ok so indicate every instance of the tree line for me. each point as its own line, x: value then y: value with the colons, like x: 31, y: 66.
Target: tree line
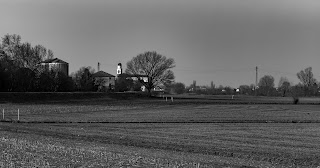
x: 308, y: 86
x: 20, y: 70
x: 150, y: 64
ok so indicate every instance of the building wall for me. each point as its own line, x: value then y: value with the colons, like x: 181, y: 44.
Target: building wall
x: 107, y: 80
x: 145, y: 79
x: 62, y: 67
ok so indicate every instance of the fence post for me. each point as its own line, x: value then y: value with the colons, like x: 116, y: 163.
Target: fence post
x: 3, y: 114
x: 18, y: 115
x: 171, y: 98
x: 166, y: 98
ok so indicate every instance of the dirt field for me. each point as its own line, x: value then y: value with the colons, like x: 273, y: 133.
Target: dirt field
x: 198, y: 132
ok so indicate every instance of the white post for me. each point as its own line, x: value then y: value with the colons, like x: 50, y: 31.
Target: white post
x: 166, y: 98
x: 171, y: 98
x: 18, y: 115
x: 3, y: 114
x: 232, y: 96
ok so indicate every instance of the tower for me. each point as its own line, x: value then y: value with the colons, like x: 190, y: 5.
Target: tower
x: 119, y: 69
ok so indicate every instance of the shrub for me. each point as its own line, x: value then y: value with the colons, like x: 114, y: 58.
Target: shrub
x: 295, y: 100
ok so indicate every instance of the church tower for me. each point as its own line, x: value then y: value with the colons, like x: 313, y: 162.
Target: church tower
x: 119, y: 69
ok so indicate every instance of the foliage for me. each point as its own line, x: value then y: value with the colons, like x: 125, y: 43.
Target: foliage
x: 99, y: 84
x: 306, y: 77
x: 284, y: 86
x: 246, y: 90
x: 179, y: 88
x: 45, y: 82
x: 176, y: 88
x: 54, y: 81
x: 295, y: 100
x: 308, y: 81
x: 123, y: 84
x: 19, y: 70
x: 62, y: 82
x: 23, y: 80
x: 24, y: 55
x: 266, y: 85
x: 83, y: 79
x: 155, y: 66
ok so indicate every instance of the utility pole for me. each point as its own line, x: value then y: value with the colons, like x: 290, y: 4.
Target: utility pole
x: 256, y: 80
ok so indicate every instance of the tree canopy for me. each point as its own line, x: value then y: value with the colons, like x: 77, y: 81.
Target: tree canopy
x: 266, y: 84
x: 153, y: 65
x: 306, y: 77
x: 308, y: 81
x: 19, y: 70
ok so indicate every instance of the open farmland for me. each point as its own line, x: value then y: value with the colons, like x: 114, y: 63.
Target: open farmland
x: 197, y: 132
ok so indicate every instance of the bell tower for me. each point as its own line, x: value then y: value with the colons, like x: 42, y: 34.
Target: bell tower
x: 119, y: 69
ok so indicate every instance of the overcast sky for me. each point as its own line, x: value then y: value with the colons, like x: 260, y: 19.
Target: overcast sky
x: 210, y: 40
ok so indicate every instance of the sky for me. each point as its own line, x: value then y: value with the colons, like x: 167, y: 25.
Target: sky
x: 210, y: 40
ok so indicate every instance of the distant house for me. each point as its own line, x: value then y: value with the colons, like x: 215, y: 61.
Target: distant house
x: 135, y: 78
x: 55, y: 64
x: 104, y: 80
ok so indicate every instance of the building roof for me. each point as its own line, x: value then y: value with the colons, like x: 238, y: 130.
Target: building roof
x: 131, y: 75
x: 102, y: 74
x: 54, y: 60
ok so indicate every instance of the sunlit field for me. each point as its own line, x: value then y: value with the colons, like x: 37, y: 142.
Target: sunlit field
x: 188, y: 132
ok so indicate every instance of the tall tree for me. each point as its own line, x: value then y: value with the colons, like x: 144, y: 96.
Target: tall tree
x: 50, y: 54
x: 24, y: 80
x: 179, y: 88
x: 245, y: 89
x: 212, y: 86
x: 155, y: 66
x: 284, y: 86
x: 16, y: 57
x: 306, y: 77
x: 40, y: 51
x: 10, y: 45
x: 83, y: 79
x: 308, y: 81
x: 266, y: 85
x: 23, y: 55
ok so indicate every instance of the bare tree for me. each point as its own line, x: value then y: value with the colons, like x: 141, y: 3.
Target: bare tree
x: 307, y: 80
x: 284, y: 85
x: 266, y: 84
x: 40, y: 51
x: 179, y: 88
x: 153, y: 65
x: 50, y: 54
x: 10, y: 45
x: 83, y: 79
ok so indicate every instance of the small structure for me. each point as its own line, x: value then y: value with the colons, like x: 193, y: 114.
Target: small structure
x: 135, y: 78
x: 104, y: 81
x: 119, y: 69
x: 55, y: 64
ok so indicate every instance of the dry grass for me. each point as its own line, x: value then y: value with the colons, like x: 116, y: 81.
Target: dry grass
x: 19, y: 150
x: 185, y: 133
x: 252, y: 144
x: 159, y: 111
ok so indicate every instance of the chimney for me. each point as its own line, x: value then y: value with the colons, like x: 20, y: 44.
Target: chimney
x: 98, y: 66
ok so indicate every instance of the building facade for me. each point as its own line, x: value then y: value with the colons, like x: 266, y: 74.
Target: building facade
x: 104, y: 81
x: 135, y: 78
x: 55, y: 64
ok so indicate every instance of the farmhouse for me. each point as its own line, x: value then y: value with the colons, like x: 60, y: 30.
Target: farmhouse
x: 135, y: 78
x: 55, y: 64
x: 104, y: 80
